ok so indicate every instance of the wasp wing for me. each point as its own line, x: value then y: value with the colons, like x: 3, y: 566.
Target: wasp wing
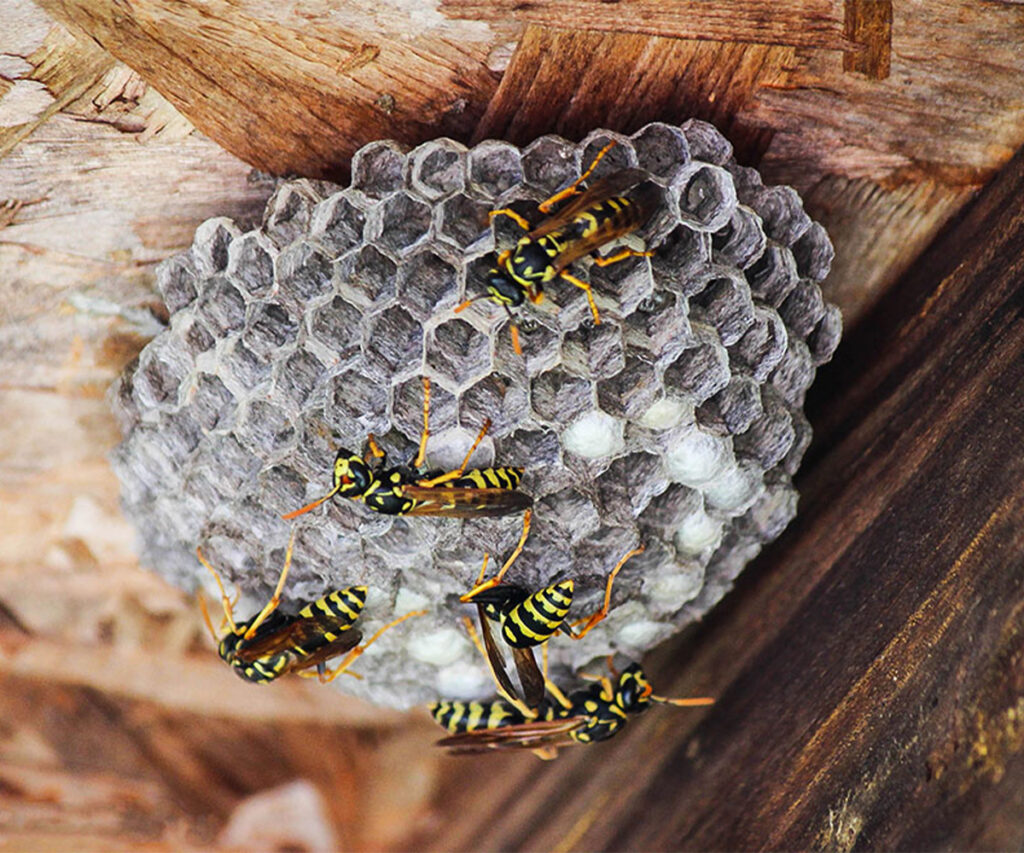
x: 458, y: 502
x: 494, y: 656
x: 529, y: 676
x: 343, y: 643
x: 598, y: 191
x: 294, y: 633
x: 536, y: 734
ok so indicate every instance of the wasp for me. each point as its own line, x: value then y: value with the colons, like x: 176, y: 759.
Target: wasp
x: 595, y: 713
x: 528, y: 619
x: 412, y: 490
x: 272, y: 643
x: 598, y: 215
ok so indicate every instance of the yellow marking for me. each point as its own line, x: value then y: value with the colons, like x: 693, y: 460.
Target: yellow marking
x: 476, y: 711
x: 525, y: 631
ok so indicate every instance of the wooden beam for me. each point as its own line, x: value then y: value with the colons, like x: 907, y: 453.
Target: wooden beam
x: 868, y: 23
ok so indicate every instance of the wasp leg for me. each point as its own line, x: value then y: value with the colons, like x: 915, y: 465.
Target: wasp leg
x: 573, y: 188
x: 553, y: 688
x: 225, y: 601
x: 621, y: 255
x: 275, y: 599
x: 590, y: 294
x: 597, y: 617
x: 206, y: 616
x: 458, y: 472
x: 372, y: 448
x: 515, y: 217
x: 349, y: 659
x: 493, y: 582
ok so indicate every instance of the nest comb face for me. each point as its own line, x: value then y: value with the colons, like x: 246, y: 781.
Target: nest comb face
x: 677, y: 422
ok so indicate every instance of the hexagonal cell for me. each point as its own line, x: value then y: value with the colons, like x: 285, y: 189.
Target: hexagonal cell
x: 623, y: 285
x: 698, y: 534
x: 211, y: 243
x: 197, y: 338
x: 593, y: 351
x: 741, y: 240
x: 700, y: 371
x: 464, y: 221
x: 241, y: 369
x: 825, y: 338
x: 279, y: 489
x: 227, y: 463
x: 550, y: 162
x: 795, y: 372
x: 404, y: 222
x: 747, y: 180
x: 355, y: 398
x: 539, y: 340
x: 299, y: 375
x: 782, y: 212
x: 763, y: 345
x: 707, y: 197
x: 251, y: 265
x: 628, y: 485
x: 438, y: 168
x: 494, y: 168
x: 367, y: 278
x: 661, y: 149
x: 565, y: 518
x: 119, y: 396
x: 212, y: 402
x: 377, y: 168
x: 338, y: 326
x: 631, y: 391
x: 814, y: 253
x: 407, y: 408
x: 725, y: 304
x: 677, y: 258
x: 497, y: 398
x: 177, y: 281
x: 558, y: 397
x: 706, y: 143
x: 270, y: 328
x: 801, y: 441
x: 303, y: 273
x: 733, y: 409
x: 667, y: 510
x: 803, y: 309
x: 660, y: 326
x: 621, y: 156
x: 458, y: 352
x: 591, y: 440
x: 772, y: 511
x: 427, y: 283
x: 179, y: 435
x: 393, y: 342
x: 338, y: 223
x: 506, y: 230
x: 163, y: 366
x: 771, y: 435
x: 773, y: 275
x: 289, y: 211
x: 694, y: 457
x: 734, y: 490
x: 221, y: 308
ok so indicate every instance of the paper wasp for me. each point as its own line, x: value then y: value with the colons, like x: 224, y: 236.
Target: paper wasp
x: 272, y: 643
x: 598, y: 215
x: 528, y: 619
x: 595, y: 713
x: 411, y: 490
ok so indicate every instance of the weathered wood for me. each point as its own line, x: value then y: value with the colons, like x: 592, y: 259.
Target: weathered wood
x: 869, y: 23
x: 869, y: 675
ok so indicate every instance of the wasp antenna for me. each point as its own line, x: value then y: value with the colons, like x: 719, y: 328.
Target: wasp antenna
x: 303, y: 510
x: 464, y: 305
x: 684, y: 703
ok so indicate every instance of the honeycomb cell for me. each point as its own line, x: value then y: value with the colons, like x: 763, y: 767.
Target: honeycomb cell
x: 407, y: 408
x: 773, y: 275
x: 707, y: 197
x: 497, y: 398
x: 628, y: 485
x: 427, y: 284
x: 367, y: 278
x: 725, y: 304
x: 565, y: 518
x: 801, y: 441
x: 494, y: 168
x: 621, y: 156
x: 539, y: 341
x: 795, y: 372
x: 662, y: 150
x: 359, y: 400
x: 695, y: 457
x: 280, y: 489
x: 748, y: 181
x: 404, y: 222
x: 530, y: 448
x: 772, y: 511
x: 593, y: 352
x: 394, y: 342
x: 211, y: 244
x: 803, y: 309
x: 270, y: 328
x: 763, y: 345
x: 558, y: 396
x: 299, y: 375
x: 782, y: 212
x: 825, y: 337
x: 179, y: 435
x: 621, y: 286
x: 666, y: 511
x: 438, y: 169
x: 337, y: 325
x: 506, y: 230
x: 213, y: 404
x: 734, y: 408
x: 549, y: 163
x: 289, y: 212
x: 594, y: 435
x: 226, y: 463
x: 251, y: 265
x: 706, y: 143
x: 464, y: 221
x: 741, y: 240
x: 338, y: 223
x: 771, y: 435
x: 242, y: 369
x: 660, y: 326
x: 813, y: 253
x: 177, y: 281
x: 698, y: 534
x: 377, y: 168
x: 303, y: 272
x: 162, y: 370
x: 679, y: 257
x: 458, y: 352
x: 734, y: 491
x: 700, y: 371
x: 221, y: 308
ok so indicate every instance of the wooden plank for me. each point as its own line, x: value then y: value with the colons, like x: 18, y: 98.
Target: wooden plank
x: 869, y: 24
x: 869, y: 675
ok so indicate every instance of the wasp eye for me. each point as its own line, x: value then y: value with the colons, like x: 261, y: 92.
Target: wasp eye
x: 503, y: 289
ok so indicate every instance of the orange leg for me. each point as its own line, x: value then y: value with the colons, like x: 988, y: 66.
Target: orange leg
x: 275, y: 599
x: 493, y: 582
x: 597, y: 617
x: 573, y: 188
x: 418, y: 461
x: 372, y: 448
x: 458, y: 472
x: 620, y: 255
x: 590, y: 294
x: 515, y: 217
x: 224, y: 600
x: 350, y: 658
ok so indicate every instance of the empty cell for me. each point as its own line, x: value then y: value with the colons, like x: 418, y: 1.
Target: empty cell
x: 212, y: 403
x: 407, y: 408
x: 628, y: 486
x: 782, y: 213
x: 377, y: 168
x: 825, y: 337
x: 338, y: 223
x: 747, y: 181
x: 700, y: 371
x: 741, y: 240
x: 404, y: 221
x: 707, y: 197
x: 594, y: 435
x: 494, y: 168
x: 734, y: 408
x: 762, y: 346
x: 565, y: 518
x: 464, y: 220
x: 814, y: 253
x: 265, y: 428
x: 289, y: 212
x: 304, y: 273
x: 632, y: 390
x: 506, y: 230
x: 177, y: 281
x: 773, y: 275
x: 694, y: 457
x: 211, y: 243
x: 621, y: 156
x: 550, y: 162
x: 251, y: 265
x: 558, y: 396
x: 666, y: 511
x: 495, y: 397
x: 661, y: 149
x: 227, y: 463
x: 270, y: 328
x: 530, y: 448
x: 803, y: 308
x: 593, y: 351
x: 427, y: 283
x: 367, y: 278
x: 801, y: 441
x: 771, y: 435
x: 660, y: 326
x: 163, y: 366
x: 623, y: 285
x: 438, y: 169
x: 772, y: 512
x: 725, y: 304
x: 125, y: 408
x: 338, y: 325
x: 539, y: 341
x: 179, y: 435
x: 678, y: 256
x: 279, y: 489
x: 221, y: 308
x: 299, y: 375
x: 795, y: 372
x: 394, y: 342
x: 357, y: 403
x: 242, y: 369
x: 458, y: 352
x: 706, y: 143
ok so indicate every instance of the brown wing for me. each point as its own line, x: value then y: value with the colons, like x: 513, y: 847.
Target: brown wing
x: 344, y: 643
x: 458, y: 502
x: 494, y: 656
x: 533, y: 735
x: 304, y: 633
x: 529, y: 676
x: 599, y: 190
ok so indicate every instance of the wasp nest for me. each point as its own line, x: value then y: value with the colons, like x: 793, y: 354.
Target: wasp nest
x: 677, y: 422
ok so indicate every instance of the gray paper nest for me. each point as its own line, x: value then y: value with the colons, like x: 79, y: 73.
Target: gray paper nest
x: 677, y: 422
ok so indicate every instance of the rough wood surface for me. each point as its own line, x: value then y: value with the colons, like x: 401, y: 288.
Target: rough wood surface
x: 870, y: 676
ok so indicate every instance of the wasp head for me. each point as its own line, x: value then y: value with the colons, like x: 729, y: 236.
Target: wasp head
x: 503, y: 289
x: 352, y: 475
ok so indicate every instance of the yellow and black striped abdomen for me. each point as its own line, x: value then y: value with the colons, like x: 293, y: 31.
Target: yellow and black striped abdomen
x: 471, y: 716
x: 488, y: 478
x: 537, y: 618
x: 616, y: 215
x: 340, y: 608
